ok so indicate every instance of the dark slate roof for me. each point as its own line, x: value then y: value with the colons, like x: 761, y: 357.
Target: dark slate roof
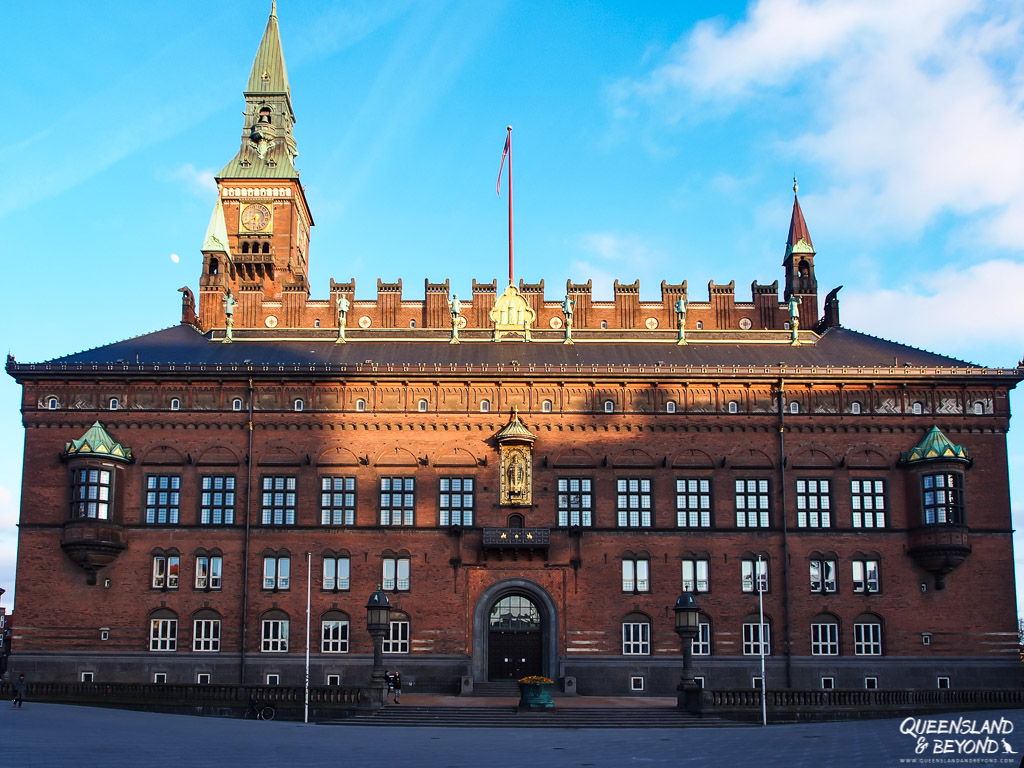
x: 182, y: 344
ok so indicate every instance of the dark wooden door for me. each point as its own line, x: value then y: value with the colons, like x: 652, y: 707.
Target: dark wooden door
x: 513, y: 655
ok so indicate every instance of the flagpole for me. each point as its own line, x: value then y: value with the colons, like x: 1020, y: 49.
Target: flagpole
x: 510, y: 205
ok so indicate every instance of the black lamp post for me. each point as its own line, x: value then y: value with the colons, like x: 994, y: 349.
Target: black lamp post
x: 378, y: 619
x: 687, y: 627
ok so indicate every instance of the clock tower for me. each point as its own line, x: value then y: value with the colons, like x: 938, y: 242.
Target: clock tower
x: 257, y: 244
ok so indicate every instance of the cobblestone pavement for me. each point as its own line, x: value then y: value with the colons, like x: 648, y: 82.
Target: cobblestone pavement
x: 83, y: 737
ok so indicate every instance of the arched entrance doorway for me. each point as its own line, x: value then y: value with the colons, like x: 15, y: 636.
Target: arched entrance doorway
x: 514, y: 643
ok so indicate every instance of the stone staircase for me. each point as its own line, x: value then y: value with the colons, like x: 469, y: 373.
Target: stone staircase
x: 508, y: 689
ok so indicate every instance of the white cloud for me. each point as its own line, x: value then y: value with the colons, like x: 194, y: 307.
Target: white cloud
x: 200, y: 181
x: 913, y: 109
x: 175, y: 258
x: 610, y: 256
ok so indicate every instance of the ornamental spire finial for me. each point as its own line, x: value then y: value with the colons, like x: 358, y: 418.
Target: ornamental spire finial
x: 795, y: 187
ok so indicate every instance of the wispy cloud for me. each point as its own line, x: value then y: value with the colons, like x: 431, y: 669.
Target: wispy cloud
x: 200, y: 182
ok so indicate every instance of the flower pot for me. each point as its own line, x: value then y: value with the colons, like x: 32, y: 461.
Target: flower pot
x: 535, y: 695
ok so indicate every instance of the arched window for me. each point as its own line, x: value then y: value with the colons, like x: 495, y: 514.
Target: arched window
x: 824, y: 635
x: 175, y: 404
x: 917, y: 409
x: 734, y: 407
x: 700, y: 325
x: 114, y: 404
x: 236, y: 404
x: 794, y: 407
x: 360, y: 405
x: 867, y: 635
x: 670, y: 406
x: 421, y: 406
x: 979, y: 409
x: 756, y: 636
x: 274, y: 632
x: 604, y: 324
x: 316, y: 323
x: 53, y: 404
x: 515, y: 521
x: 609, y: 406
x: 485, y: 406
x: 206, y: 631
x: 397, y: 638
x: 163, y: 630
x: 412, y: 323
x: 636, y: 635
x: 334, y: 626
x: 546, y: 406
x: 855, y: 408
x: 245, y: 247
x: 214, y: 266
x: 299, y: 404
x: 702, y: 642
x: 266, y: 247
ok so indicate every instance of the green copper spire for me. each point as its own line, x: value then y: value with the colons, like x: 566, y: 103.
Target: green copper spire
x: 934, y: 445
x: 268, y: 148
x: 217, y: 232
x: 97, y: 440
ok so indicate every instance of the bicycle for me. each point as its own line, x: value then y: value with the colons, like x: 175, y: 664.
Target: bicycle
x: 259, y: 711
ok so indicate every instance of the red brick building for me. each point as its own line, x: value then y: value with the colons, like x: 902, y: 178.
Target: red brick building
x: 533, y: 479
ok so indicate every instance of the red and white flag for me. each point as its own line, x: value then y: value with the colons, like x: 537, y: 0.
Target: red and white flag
x: 504, y: 154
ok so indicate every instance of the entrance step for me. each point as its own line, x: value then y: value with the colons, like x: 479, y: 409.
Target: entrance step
x: 503, y: 688
x: 511, y: 717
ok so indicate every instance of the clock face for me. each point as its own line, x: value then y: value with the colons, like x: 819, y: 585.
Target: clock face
x: 255, y: 217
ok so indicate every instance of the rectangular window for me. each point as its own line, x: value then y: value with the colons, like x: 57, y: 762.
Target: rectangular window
x: 633, y: 502
x: 942, y: 683
x: 575, y: 501
x: 397, y: 638
x: 397, y: 500
x: 334, y: 679
x: 867, y: 639
x: 276, y: 572
x: 338, y: 500
x: 823, y: 576
x: 88, y: 677
x: 695, y: 576
x: 702, y: 642
x: 455, y: 500
x: 943, y: 498
x: 203, y: 678
x: 206, y: 635
x: 336, y: 573
x: 165, y: 571
x: 755, y: 575
x: 636, y: 639
x: 275, y: 636
x: 217, y: 500
x: 871, y: 683
x: 753, y: 503
x: 163, y: 494
x: 825, y: 639
x: 208, y: 571
x: 279, y: 500
x: 92, y: 494
x: 334, y: 636
x: 756, y: 636
x: 273, y: 679
x: 828, y: 683
x: 636, y: 575
x: 163, y: 634
x: 396, y: 574
x: 865, y: 576
x: 867, y: 499
x: 813, y: 504
x: 159, y: 678
x: 693, y: 502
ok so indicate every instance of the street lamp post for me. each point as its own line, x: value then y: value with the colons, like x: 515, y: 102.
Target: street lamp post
x: 687, y: 627
x: 378, y: 619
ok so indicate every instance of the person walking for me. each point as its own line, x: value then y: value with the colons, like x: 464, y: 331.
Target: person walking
x: 19, y: 692
x: 397, y: 682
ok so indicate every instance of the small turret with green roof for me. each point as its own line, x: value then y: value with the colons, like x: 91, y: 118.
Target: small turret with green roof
x: 933, y: 446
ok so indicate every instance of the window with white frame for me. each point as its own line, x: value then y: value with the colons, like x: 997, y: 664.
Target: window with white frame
x: 277, y: 572
x: 53, y: 403
x: 165, y: 571
x: 794, y: 407
x: 636, y: 637
x: 397, y: 500
x: 163, y: 634
x: 203, y: 678
x: 670, y: 406
x: 208, y: 571
x: 813, y: 503
x: 163, y: 495
x: 396, y: 573
x: 334, y: 679
x: 609, y: 406
x: 753, y: 503
x: 734, y: 407
x: 175, y: 404
x: 546, y: 406
x: 87, y: 677
x: 217, y: 500
x: 274, y: 635
x: 828, y: 683
x: 360, y: 405
x: 823, y: 575
x: 942, y: 683
x: 943, y: 498
x: 91, y: 493
x: 755, y: 575
x: 336, y: 572
x: 917, y: 409
x: 485, y: 406
x: 279, y: 500
x: 702, y: 642
x: 755, y: 637
x: 865, y: 576
x: 867, y: 500
x: 825, y: 637
x: 575, y: 501
x: 871, y: 683
x: 337, y: 500
x: 421, y: 406
x: 397, y: 638
x: 159, y: 678
x: 206, y: 635
x: 633, y: 502
x: 979, y: 409
x: 455, y: 500
x: 867, y: 639
x: 299, y: 404
x: 855, y: 408
x: 273, y: 678
x: 236, y: 404
x: 693, y: 502
x: 334, y: 633
x: 114, y: 404
x: 636, y: 574
x: 695, y: 575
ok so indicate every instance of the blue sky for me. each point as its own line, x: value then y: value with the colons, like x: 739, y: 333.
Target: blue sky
x: 651, y: 140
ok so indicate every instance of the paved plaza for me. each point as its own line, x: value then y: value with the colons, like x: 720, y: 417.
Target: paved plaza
x: 83, y: 737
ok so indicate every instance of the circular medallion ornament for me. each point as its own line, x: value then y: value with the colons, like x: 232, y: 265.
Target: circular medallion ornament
x: 651, y: 323
x: 364, y: 322
x: 556, y: 322
x: 255, y: 217
x: 271, y: 321
x: 462, y: 322
x: 745, y: 324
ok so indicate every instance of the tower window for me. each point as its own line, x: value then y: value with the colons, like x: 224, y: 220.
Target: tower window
x: 316, y: 323
x: 700, y: 325
x: 266, y: 247
x: 412, y: 323
x: 604, y: 323
x: 245, y: 247
x: 214, y: 266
